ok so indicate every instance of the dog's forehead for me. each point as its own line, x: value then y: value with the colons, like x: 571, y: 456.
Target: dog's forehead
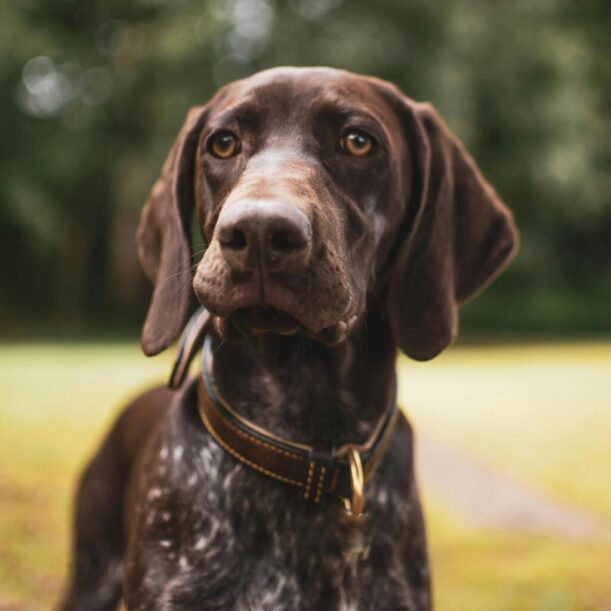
x: 299, y: 88
x: 289, y: 74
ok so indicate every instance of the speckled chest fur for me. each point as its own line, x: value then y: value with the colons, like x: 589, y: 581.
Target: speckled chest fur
x: 248, y: 542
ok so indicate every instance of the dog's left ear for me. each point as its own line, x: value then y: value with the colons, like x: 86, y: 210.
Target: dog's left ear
x: 163, y: 239
x: 460, y: 235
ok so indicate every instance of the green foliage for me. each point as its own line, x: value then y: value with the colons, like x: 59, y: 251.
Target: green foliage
x: 94, y: 93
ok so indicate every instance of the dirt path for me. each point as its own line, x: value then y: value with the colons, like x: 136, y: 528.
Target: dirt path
x: 482, y: 496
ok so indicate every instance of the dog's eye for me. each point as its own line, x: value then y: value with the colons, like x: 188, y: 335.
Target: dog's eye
x: 357, y: 143
x: 224, y: 145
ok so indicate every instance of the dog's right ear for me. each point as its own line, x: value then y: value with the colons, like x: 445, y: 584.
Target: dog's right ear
x: 163, y: 238
x: 460, y: 237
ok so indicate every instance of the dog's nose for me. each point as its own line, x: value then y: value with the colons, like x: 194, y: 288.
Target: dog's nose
x: 267, y: 234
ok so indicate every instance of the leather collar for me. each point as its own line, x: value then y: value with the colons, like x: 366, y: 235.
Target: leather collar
x: 316, y: 471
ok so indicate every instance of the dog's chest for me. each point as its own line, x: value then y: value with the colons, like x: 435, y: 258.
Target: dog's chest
x: 215, y: 535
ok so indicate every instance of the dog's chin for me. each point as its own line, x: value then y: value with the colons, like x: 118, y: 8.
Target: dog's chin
x: 259, y: 320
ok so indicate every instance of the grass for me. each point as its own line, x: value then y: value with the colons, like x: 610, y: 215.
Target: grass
x: 56, y: 401
x: 539, y: 413
x: 501, y: 571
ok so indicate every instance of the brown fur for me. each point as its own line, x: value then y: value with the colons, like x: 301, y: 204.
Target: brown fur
x: 370, y: 253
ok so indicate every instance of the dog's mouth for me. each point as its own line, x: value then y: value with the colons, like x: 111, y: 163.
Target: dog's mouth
x: 261, y: 319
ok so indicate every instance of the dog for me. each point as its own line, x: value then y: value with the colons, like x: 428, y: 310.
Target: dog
x: 342, y: 221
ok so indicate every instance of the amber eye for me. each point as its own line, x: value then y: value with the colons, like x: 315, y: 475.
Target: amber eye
x: 224, y: 145
x: 357, y: 143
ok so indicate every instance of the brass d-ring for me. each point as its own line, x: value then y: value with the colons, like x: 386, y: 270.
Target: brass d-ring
x: 354, y: 507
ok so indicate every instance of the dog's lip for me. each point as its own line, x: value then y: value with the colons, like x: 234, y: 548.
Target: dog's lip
x: 336, y: 333
x: 264, y: 319
x: 260, y: 319
x: 345, y: 326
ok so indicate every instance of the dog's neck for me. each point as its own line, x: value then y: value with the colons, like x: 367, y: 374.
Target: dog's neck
x: 307, y: 391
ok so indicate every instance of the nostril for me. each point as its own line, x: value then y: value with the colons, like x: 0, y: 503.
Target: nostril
x: 266, y: 234
x: 285, y: 241
x: 236, y: 240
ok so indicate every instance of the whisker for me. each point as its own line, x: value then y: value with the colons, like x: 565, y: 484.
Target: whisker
x: 172, y: 275
x: 198, y: 252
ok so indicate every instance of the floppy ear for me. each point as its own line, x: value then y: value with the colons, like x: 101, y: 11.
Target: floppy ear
x: 460, y: 238
x: 163, y: 239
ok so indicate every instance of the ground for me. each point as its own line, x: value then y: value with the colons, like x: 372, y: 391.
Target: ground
x: 514, y: 460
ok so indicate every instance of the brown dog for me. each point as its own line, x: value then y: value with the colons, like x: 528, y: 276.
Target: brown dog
x: 342, y: 220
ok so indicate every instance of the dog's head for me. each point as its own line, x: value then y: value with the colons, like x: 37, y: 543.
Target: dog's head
x: 313, y: 189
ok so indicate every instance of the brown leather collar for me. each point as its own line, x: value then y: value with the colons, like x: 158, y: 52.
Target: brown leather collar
x: 316, y: 471
x: 189, y: 343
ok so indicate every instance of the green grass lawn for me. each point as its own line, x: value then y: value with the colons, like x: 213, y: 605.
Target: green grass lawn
x: 539, y: 413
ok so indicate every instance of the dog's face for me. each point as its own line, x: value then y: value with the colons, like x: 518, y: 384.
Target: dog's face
x: 296, y: 176
x: 314, y: 188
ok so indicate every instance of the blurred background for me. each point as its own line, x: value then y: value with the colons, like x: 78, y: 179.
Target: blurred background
x: 92, y: 95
